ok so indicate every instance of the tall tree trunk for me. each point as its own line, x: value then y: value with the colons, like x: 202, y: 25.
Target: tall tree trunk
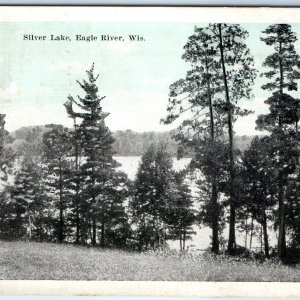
x: 211, y: 111
x: 282, y: 237
x: 266, y: 239
x: 94, y: 240
x: 261, y: 238
x: 214, y: 192
x: 232, y: 203
x: 246, y: 231
x: 61, y: 209
x: 77, y: 219
x: 77, y: 186
x: 142, y: 241
x: 215, y: 218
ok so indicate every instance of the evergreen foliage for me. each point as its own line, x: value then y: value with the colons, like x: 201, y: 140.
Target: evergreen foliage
x: 282, y: 121
x: 180, y: 215
x: 102, y: 188
x: 221, y: 75
x: 259, y: 188
x: 57, y: 150
x: 161, y: 205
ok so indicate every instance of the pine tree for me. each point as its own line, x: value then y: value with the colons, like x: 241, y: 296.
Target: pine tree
x: 149, y: 203
x: 194, y: 99
x: 238, y: 76
x: 74, y: 185
x: 222, y: 67
x: 212, y: 160
x: 101, y: 184
x: 29, y: 202
x: 259, y: 189
x: 282, y: 121
x: 111, y: 212
x: 180, y: 214
x: 57, y: 148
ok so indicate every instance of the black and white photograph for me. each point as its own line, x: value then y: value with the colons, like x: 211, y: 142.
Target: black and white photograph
x: 139, y: 150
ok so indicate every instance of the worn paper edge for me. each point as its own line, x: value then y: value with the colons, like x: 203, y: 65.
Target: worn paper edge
x: 195, y: 15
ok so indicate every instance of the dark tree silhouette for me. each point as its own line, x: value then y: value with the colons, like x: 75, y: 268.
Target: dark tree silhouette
x: 282, y: 121
x: 57, y: 149
x: 101, y: 184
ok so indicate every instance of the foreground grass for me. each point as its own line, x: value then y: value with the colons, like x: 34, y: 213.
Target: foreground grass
x: 19, y: 261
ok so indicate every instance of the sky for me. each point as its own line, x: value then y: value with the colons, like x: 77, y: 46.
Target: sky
x: 37, y: 76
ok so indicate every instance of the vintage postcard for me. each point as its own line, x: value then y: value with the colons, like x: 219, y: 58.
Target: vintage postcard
x: 150, y: 151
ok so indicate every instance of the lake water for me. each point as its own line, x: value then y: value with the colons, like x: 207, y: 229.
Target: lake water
x: 130, y: 164
x: 201, y: 239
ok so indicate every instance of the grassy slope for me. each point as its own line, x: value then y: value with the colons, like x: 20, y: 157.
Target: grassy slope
x: 19, y: 260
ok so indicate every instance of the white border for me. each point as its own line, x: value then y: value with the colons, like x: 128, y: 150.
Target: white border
x: 150, y: 288
x: 149, y: 14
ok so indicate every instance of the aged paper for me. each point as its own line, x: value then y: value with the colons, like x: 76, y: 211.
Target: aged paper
x: 78, y: 214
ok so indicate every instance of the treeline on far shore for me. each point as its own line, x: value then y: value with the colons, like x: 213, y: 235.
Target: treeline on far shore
x: 128, y: 142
